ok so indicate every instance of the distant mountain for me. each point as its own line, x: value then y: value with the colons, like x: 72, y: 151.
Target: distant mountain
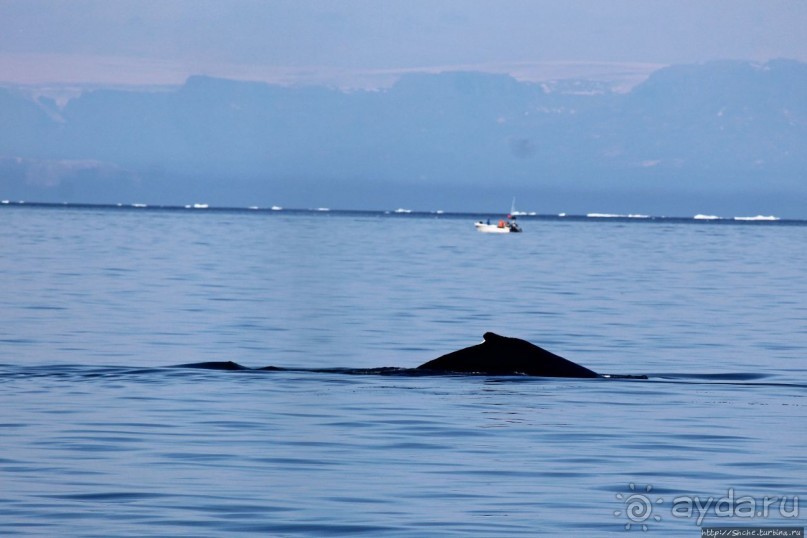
x: 690, y: 138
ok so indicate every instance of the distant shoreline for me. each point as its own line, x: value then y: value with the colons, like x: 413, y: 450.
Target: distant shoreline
x: 766, y: 220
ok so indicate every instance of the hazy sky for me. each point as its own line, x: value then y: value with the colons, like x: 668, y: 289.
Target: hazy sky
x: 356, y: 42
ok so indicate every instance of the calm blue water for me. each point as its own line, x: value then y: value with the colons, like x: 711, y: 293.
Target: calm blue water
x: 99, y: 438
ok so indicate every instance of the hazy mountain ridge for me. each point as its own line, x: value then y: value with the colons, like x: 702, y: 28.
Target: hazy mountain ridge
x: 721, y: 127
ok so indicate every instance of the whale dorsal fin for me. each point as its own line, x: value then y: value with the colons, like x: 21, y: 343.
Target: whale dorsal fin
x: 490, y: 337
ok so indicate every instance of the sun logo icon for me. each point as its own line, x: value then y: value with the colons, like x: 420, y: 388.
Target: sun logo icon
x: 638, y: 507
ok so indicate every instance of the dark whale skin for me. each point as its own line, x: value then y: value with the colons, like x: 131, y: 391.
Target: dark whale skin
x: 496, y: 356
x: 502, y: 355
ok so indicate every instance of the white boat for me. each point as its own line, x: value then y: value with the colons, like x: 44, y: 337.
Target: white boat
x: 504, y: 226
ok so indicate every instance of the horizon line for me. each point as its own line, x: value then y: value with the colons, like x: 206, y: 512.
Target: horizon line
x: 401, y: 212
x: 75, y: 70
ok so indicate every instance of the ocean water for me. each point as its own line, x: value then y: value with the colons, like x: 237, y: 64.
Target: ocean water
x: 100, y: 436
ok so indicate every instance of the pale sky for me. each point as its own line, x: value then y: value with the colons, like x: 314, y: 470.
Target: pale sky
x: 369, y: 42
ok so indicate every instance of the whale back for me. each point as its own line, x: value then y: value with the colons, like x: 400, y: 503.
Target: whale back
x: 502, y: 355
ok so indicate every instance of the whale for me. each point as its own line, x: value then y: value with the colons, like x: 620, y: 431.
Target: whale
x: 503, y: 355
x: 496, y: 356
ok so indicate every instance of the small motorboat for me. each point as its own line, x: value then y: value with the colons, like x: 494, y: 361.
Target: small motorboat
x: 504, y: 226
